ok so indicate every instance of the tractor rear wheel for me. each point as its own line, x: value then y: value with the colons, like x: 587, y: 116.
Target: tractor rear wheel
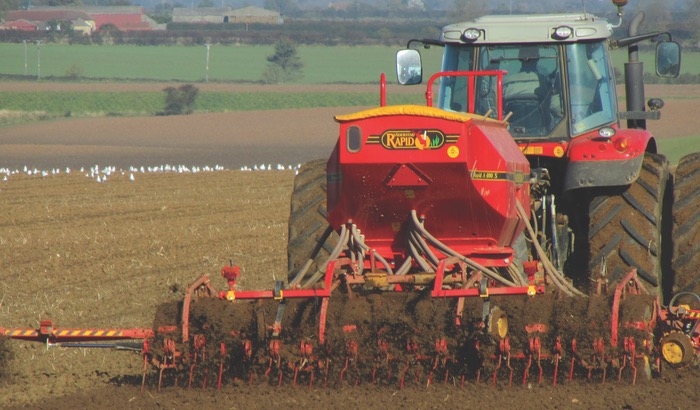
x: 686, y: 225
x: 624, y: 228
x: 307, y: 220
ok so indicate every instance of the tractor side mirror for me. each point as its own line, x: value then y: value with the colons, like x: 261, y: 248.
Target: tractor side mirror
x: 409, y: 69
x: 668, y: 59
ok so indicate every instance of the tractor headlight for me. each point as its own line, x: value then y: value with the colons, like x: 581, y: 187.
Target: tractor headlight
x: 471, y: 34
x: 606, y: 132
x: 562, y: 32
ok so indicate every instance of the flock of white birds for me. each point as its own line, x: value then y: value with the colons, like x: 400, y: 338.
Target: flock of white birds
x: 102, y: 174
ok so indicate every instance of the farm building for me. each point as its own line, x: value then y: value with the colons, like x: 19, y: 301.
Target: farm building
x: 124, y: 18
x: 255, y: 15
x: 83, y: 26
x: 21, y: 24
x: 248, y: 15
x: 43, y: 19
x: 201, y: 15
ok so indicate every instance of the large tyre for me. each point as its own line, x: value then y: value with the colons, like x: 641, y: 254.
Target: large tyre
x: 625, y: 229
x: 307, y: 220
x: 686, y: 225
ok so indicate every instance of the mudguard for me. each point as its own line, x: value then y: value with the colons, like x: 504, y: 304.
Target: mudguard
x: 595, y: 162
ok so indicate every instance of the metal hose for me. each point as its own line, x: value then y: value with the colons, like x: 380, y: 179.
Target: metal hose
x: 448, y: 251
x: 342, y: 241
x: 377, y: 256
x: 419, y: 258
x: 557, y: 277
x: 319, y: 244
x: 423, y: 246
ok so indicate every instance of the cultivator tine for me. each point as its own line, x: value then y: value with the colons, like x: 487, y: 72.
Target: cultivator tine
x: 198, y: 354
x: 382, y: 360
x: 403, y: 374
x: 327, y: 368
x: 504, y: 350
x: 557, y: 359
x: 170, y: 355
x: 160, y: 378
x: 221, y: 366
x: 598, y: 358
x: 145, y: 355
x: 440, y: 360
x: 535, y: 350
x: 343, y: 370
x: 248, y: 358
x: 629, y: 355
x: 305, y: 362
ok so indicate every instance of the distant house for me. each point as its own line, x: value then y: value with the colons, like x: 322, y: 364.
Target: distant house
x: 226, y: 15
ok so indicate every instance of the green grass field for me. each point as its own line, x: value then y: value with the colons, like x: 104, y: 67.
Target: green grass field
x: 676, y: 148
x: 322, y: 65
x: 65, y: 103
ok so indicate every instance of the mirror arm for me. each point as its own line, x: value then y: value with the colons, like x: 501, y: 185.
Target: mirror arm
x: 624, y: 42
x: 426, y: 42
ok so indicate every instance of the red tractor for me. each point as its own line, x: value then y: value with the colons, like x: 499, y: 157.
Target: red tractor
x: 512, y: 217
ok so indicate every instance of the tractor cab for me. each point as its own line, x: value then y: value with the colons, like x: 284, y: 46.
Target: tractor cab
x: 560, y: 81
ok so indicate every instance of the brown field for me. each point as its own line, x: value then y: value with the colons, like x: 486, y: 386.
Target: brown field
x: 88, y: 254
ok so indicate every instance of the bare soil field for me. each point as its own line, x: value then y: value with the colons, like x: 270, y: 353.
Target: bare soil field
x: 87, y: 254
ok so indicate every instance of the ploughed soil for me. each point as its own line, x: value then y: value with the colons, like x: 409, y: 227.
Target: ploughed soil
x: 112, y: 254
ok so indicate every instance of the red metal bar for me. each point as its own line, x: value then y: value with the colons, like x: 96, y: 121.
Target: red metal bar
x: 322, y: 321
x: 382, y: 90
x: 438, y: 292
x: 619, y: 290
x: 289, y: 293
x: 518, y: 290
x: 202, y: 283
x: 471, y: 103
x: 471, y: 75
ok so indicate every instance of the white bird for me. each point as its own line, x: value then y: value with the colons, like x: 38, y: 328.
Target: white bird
x: 131, y: 177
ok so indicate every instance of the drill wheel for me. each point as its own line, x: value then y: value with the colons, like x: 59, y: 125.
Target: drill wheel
x: 677, y: 349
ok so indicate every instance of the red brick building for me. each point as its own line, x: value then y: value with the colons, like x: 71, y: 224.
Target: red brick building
x: 20, y: 24
x: 124, y: 18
